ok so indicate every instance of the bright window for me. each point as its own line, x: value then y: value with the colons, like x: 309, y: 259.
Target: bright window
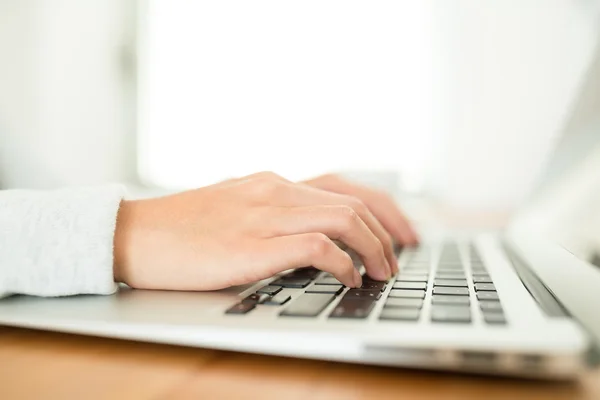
x: 233, y: 87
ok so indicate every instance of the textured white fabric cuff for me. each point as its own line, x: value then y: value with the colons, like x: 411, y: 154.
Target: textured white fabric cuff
x: 58, y: 243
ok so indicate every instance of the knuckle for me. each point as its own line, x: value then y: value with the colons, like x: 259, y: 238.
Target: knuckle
x: 265, y: 187
x: 349, y: 214
x: 319, y: 244
x: 333, y: 178
x: 355, y: 203
x: 348, y: 218
x: 267, y: 175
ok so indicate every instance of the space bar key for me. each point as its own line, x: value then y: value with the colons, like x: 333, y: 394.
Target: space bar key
x: 308, y: 305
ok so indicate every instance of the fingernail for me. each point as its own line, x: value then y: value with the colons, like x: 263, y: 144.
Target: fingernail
x: 357, y: 279
x: 389, y: 269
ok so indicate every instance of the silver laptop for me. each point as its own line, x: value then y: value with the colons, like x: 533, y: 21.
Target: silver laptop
x: 520, y: 302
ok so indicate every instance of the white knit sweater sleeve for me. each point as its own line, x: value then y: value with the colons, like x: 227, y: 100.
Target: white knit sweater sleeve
x: 58, y: 243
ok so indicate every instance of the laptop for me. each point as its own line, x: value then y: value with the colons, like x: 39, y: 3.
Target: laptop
x: 521, y: 302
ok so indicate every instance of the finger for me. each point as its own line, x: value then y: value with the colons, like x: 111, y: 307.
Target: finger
x: 307, y: 195
x: 309, y: 249
x: 338, y: 222
x: 375, y: 226
x: 380, y: 204
x: 393, y: 220
x: 387, y: 212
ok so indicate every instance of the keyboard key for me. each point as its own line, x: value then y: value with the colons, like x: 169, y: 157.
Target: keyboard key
x: 455, y: 300
x: 405, y: 293
x: 485, y: 287
x: 327, y: 280
x: 450, y: 282
x: 451, y: 262
x: 425, y: 263
x: 295, y: 283
x: 412, y: 278
x: 277, y: 300
x: 417, y: 267
x: 449, y: 247
x: 450, y: 254
x: 494, y: 318
x: 445, y: 275
x: 307, y: 272
x: 418, y: 262
x: 417, y: 258
x: 456, y: 271
x: 308, y: 305
x: 451, y: 259
x: 400, y: 314
x: 334, y: 289
x: 490, y: 306
x: 450, y: 267
x: 256, y: 298
x: 482, y: 279
x: 362, y: 294
x: 404, y: 303
x: 473, y: 251
x: 480, y: 273
x: 357, y: 308
x: 410, y: 285
x: 270, y: 290
x: 455, y: 291
x: 419, y: 272
x: 241, y: 308
x: 487, y: 296
x: 451, y: 314
x: 372, y: 285
x: 367, y: 278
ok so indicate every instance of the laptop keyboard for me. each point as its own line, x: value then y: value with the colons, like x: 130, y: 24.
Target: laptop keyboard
x: 450, y: 290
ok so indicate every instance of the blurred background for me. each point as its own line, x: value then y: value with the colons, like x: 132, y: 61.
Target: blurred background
x: 461, y: 101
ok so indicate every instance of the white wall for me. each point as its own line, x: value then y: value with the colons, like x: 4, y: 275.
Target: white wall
x: 66, y: 94
x: 302, y: 88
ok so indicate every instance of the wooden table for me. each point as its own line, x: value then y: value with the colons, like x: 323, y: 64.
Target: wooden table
x: 43, y: 365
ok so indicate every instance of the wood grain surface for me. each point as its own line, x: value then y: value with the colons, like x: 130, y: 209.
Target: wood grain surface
x: 44, y: 365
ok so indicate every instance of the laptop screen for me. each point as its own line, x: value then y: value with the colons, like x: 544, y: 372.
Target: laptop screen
x: 565, y: 207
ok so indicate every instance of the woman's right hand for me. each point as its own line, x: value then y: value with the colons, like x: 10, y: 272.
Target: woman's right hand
x: 244, y: 230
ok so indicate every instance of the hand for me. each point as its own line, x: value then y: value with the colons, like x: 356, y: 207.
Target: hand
x: 244, y: 230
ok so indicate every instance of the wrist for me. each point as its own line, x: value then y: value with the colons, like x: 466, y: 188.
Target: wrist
x: 122, y: 239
